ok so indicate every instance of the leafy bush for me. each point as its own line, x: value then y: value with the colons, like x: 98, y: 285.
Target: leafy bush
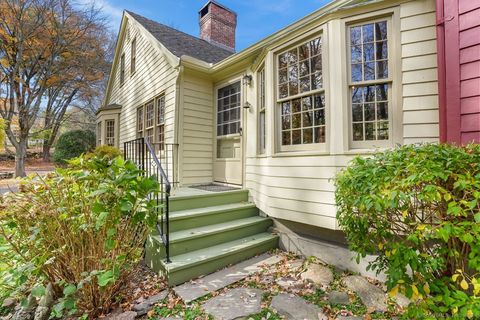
x: 72, y: 144
x: 105, y: 151
x: 82, y: 229
x: 418, y: 208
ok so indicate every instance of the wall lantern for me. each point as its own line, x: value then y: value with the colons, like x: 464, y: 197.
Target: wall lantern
x: 247, y: 80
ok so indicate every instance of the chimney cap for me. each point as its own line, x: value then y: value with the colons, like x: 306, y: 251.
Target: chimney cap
x: 217, y: 4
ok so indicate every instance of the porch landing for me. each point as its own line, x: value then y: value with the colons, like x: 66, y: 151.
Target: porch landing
x: 211, y: 227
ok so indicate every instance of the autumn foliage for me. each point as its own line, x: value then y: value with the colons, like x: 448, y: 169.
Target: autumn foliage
x: 50, y: 53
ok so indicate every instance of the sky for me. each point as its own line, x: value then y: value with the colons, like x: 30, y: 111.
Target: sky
x: 257, y: 19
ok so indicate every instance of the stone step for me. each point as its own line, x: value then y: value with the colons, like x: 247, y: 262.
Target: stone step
x: 193, y: 264
x: 198, y: 217
x: 188, y: 240
x: 178, y: 203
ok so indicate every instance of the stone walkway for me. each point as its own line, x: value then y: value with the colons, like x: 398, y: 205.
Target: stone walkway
x: 273, y: 286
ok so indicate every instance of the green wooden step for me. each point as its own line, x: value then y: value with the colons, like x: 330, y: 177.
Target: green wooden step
x: 206, y: 236
x: 198, y: 217
x: 210, y: 199
x: 193, y: 264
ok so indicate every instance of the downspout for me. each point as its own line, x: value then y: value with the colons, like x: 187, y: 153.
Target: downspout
x: 441, y: 70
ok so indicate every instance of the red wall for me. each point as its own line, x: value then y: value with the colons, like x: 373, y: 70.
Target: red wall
x: 458, y: 34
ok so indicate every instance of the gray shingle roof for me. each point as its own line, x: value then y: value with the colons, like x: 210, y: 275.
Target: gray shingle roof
x: 180, y: 43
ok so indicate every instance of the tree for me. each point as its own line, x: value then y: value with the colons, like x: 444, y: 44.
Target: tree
x: 43, y: 46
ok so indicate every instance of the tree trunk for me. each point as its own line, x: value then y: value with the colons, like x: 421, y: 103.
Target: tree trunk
x: 20, y: 157
x: 46, y: 151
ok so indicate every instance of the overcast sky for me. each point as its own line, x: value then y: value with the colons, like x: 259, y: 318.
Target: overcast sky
x: 256, y: 18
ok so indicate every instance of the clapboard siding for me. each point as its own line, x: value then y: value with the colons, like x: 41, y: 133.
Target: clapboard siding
x: 301, y: 188
x: 419, y: 71
x: 197, y: 130
x: 469, y: 35
x: 153, y: 76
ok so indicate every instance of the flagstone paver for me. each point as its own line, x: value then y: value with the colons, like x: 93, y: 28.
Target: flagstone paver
x: 371, y: 296
x: 145, y: 306
x: 318, y: 274
x: 234, y: 304
x: 337, y: 297
x: 295, y: 308
x: 195, y: 289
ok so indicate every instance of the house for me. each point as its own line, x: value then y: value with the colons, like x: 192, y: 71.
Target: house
x: 279, y: 119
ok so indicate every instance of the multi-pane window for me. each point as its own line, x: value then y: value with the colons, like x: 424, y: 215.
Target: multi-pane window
x: 369, y: 82
x: 228, y: 110
x: 110, y: 133
x: 149, y: 121
x: 261, y: 112
x: 122, y: 69
x: 160, y: 122
x: 140, y: 122
x: 133, y: 56
x: 99, y: 133
x: 301, y: 95
x: 300, y: 69
x: 303, y: 120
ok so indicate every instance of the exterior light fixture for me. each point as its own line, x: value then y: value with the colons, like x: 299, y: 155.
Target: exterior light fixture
x: 246, y: 105
x: 247, y: 80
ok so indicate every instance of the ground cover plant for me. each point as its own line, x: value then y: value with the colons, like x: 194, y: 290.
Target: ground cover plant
x: 417, y: 207
x: 79, y: 230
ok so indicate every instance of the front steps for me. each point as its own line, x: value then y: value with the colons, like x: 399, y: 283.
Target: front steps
x: 208, y: 232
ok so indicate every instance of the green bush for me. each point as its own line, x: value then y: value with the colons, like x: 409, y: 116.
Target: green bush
x: 82, y: 229
x: 105, y: 151
x: 72, y: 144
x: 417, y: 207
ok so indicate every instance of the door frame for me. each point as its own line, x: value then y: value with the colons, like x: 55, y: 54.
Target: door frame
x: 217, y: 86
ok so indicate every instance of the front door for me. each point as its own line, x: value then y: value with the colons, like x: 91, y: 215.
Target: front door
x: 228, y: 166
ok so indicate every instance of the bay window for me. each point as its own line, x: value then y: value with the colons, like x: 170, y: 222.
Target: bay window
x: 300, y: 95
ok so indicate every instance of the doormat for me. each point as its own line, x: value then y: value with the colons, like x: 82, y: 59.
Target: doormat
x: 215, y: 187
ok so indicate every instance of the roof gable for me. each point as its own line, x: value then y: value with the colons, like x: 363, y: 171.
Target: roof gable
x: 180, y: 43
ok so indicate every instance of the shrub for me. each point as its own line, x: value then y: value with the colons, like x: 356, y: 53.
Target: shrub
x: 417, y: 207
x: 105, y: 151
x: 81, y: 229
x: 72, y: 144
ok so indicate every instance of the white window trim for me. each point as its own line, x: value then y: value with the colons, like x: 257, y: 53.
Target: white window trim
x: 394, y: 81
x: 304, y: 149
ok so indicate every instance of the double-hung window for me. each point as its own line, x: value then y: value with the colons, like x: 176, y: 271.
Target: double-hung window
x: 99, y: 133
x: 370, y: 84
x: 149, y: 121
x: 140, y: 122
x: 300, y: 96
x: 261, y: 112
x: 110, y: 133
x: 122, y: 69
x: 160, y: 122
x: 133, y: 56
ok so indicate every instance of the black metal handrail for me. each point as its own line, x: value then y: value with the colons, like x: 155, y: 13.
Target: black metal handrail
x: 141, y: 152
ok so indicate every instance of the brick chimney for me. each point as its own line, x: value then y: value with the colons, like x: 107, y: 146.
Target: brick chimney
x: 218, y: 25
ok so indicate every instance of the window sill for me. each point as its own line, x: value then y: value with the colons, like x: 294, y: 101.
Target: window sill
x: 281, y: 154
x: 366, y: 151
